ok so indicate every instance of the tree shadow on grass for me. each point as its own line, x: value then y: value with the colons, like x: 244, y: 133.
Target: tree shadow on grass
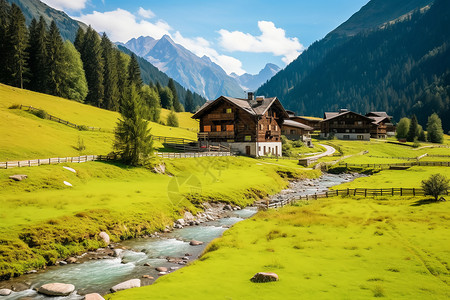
x: 425, y: 202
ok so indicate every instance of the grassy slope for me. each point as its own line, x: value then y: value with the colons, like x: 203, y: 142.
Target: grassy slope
x: 24, y: 136
x: 339, y: 248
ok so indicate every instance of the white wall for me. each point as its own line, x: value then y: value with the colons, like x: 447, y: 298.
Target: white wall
x: 351, y: 136
x: 273, y: 147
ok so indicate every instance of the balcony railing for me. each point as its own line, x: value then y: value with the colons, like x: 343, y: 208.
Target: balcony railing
x: 216, y: 134
x: 225, y: 116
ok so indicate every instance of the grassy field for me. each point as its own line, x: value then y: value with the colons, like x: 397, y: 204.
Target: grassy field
x: 337, y: 248
x: 25, y: 136
x: 42, y: 219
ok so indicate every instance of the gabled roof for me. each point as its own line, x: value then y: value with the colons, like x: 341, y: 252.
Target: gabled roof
x: 378, y: 114
x: 253, y: 107
x: 312, y: 119
x: 377, y: 120
x: 292, y: 123
x: 333, y: 115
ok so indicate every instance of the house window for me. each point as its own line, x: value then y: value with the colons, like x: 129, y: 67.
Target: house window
x: 264, y: 151
x: 218, y: 128
x: 360, y: 137
x: 248, y: 138
x: 269, y: 128
x: 292, y: 131
x: 207, y: 128
x: 346, y: 137
x: 347, y: 130
x: 259, y: 148
x: 230, y: 127
x: 261, y: 127
x: 276, y: 127
x: 228, y: 111
x: 359, y: 122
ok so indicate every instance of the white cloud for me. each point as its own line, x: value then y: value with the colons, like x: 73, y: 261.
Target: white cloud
x: 73, y: 5
x: 200, y: 47
x: 146, y: 13
x: 121, y: 25
x: 272, y: 40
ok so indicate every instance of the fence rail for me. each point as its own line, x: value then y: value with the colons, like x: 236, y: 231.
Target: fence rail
x: 59, y: 120
x: 192, y: 154
x: 406, y: 164
x: 402, y: 192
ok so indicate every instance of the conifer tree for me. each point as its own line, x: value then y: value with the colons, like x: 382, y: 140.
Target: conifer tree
x: 134, y: 72
x: 150, y: 98
x: 189, y: 102
x: 413, y: 129
x: 172, y: 119
x: 434, y: 128
x: 177, y: 106
x: 38, y: 55
x: 133, y: 140
x: 54, y: 62
x: 79, y: 40
x: 4, y: 43
x: 122, y: 73
x: 110, y: 75
x: 17, y: 57
x: 91, y: 55
x: 165, y: 94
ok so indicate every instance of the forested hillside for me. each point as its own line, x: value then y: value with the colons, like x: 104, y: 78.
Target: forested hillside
x: 403, y: 69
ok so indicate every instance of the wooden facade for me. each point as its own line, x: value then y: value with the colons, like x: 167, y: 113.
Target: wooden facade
x: 346, y: 125
x: 309, y: 121
x: 233, y: 120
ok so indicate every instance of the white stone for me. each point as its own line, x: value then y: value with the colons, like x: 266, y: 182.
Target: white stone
x: 129, y: 284
x: 104, y: 236
x: 56, y: 289
x: 70, y: 169
x: 5, y: 292
x: 67, y: 183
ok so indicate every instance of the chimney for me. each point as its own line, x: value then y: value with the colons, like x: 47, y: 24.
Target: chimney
x: 260, y: 99
x: 343, y: 110
x: 251, y: 96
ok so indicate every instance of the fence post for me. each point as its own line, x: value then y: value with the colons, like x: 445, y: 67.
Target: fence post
x: 365, y: 192
x: 401, y: 191
x: 414, y: 192
x: 326, y: 193
x: 6, y: 165
x: 348, y: 191
x: 39, y: 162
x: 392, y: 191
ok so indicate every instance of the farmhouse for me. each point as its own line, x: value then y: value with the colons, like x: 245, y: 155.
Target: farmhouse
x: 297, y: 131
x: 250, y: 126
x: 346, y: 125
x: 384, y: 126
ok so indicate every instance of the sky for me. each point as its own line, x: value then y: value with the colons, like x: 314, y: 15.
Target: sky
x: 239, y: 35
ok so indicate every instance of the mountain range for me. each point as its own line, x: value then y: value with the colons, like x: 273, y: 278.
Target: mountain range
x: 390, y: 56
x: 249, y: 82
x: 198, y: 74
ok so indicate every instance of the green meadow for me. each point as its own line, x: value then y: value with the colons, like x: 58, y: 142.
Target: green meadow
x: 336, y: 248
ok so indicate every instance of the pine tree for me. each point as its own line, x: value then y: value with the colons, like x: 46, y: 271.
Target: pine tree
x: 38, y: 55
x: 165, y: 94
x: 4, y: 42
x: 172, y: 119
x: 152, y: 103
x: 73, y: 80
x: 176, y: 102
x: 79, y: 40
x: 134, y: 72
x: 412, y: 132
x: 91, y: 55
x: 434, y: 128
x: 54, y: 62
x: 122, y: 73
x: 110, y: 75
x: 189, y: 102
x: 133, y: 140
x: 17, y: 36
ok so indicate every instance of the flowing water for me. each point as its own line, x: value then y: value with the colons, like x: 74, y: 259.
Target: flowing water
x: 142, y: 255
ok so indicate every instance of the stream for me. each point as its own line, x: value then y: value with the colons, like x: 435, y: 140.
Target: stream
x: 141, y: 256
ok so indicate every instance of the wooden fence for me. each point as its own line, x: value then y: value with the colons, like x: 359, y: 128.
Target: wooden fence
x: 402, y: 192
x: 59, y: 120
x: 406, y: 164
x: 192, y: 154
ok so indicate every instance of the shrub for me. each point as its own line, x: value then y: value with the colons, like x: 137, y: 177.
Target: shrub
x: 40, y: 113
x: 14, y: 106
x: 172, y: 119
x: 436, y: 185
x: 82, y: 128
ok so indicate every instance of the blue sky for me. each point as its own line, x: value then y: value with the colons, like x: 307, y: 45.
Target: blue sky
x: 239, y: 35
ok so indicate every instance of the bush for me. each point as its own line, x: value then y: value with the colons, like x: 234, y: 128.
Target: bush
x: 82, y: 128
x: 40, y: 113
x: 172, y: 119
x: 436, y: 185
x: 14, y: 106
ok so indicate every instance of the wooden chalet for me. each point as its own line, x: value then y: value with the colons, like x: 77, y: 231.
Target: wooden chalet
x: 309, y: 121
x: 250, y: 126
x: 297, y: 131
x: 346, y: 125
x: 384, y: 124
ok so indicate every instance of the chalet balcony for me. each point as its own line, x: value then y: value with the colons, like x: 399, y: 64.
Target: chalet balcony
x: 216, y: 134
x: 346, y: 126
x: 224, y: 116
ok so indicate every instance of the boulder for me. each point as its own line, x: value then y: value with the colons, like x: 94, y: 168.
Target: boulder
x: 148, y: 277
x: 117, y: 252
x: 147, y: 265
x: 264, y: 277
x: 188, y: 216
x: 104, y: 236
x: 18, y: 177
x: 56, y: 289
x: 129, y: 284
x: 71, y: 260
x: 180, y: 222
x: 93, y: 296
x: 161, y: 269
x: 5, y: 292
x: 160, y: 169
x: 227, y: 207
x: 162, y: 273
x: 195, y: 243
x: 62, y: 263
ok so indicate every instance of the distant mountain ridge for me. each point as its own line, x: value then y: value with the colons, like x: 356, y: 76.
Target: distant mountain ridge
x: 250, y: 82
x: 198, y: 74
